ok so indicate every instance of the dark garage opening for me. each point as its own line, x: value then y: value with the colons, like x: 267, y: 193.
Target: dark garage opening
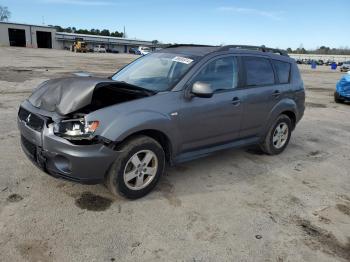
x: 17, y: 37
x: 43, y: 39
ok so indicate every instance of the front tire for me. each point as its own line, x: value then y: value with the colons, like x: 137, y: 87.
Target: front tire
x: 137, y: 169
x: 278, y: 136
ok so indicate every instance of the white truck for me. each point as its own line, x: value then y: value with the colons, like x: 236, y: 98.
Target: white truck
x: 100, y: 49
x: 144, y: 50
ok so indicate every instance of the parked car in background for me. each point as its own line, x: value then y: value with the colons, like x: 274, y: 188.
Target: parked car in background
x: 328, y: 62
x: 345, y: 67
x: 134, y: 50
x: 342, y: 92
x: 113, y: 50
x: 177, y: 104
x: 319, y: 62
x: 307, y: 61
x: 100, y: 49
x: 144, y: 50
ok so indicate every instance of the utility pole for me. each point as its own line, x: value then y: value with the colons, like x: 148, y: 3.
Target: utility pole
x: 124, y: 34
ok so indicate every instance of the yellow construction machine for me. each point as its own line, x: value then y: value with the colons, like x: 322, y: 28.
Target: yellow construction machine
x: 79, y: 46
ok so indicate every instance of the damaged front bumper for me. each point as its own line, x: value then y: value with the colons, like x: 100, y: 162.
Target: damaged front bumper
x: 57, y: 156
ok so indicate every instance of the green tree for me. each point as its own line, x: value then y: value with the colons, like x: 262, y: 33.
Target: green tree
x: 105, y: 32
x: 117, y: 34
x: 323, y: 50
x: 5, y: 14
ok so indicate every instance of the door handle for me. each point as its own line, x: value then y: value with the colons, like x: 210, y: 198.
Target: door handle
x: 236, y: 101
x: 276, y: 93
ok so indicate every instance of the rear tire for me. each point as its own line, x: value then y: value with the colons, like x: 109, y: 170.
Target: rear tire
x: 137, y: 169
x: 336, y: 98
x: 278, y: 136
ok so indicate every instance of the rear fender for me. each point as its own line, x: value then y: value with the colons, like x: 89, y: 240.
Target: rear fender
x: 282, y: 106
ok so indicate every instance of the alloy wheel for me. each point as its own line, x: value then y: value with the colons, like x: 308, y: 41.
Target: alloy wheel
x: 140, y: 170
x: 280, y: 135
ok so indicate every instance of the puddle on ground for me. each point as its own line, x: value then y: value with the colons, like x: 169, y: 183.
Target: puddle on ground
x: 92, y: 202
x: 14, y: 198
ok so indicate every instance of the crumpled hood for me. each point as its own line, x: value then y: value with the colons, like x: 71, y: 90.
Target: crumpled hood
x: 66, y: 95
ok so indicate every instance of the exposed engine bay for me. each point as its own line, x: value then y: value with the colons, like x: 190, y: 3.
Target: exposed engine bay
x: 73, y: 98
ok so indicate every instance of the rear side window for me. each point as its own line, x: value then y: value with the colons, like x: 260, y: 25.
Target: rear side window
x: 258, y: 71
x: 221, y: 73
x: 283, y: 71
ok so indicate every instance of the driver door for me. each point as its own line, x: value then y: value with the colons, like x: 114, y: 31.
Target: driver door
x: 215, y: 120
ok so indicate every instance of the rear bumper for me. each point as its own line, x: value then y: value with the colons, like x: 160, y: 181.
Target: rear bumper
x: 62, y: 159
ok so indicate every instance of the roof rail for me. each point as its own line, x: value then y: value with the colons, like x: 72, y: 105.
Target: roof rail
x: 189, y: 45
x: 257, y: 48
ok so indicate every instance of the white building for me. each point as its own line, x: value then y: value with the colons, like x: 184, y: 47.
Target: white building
x: 38, y: 36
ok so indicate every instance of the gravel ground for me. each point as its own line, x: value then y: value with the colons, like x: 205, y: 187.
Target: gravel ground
x: 237, y: 205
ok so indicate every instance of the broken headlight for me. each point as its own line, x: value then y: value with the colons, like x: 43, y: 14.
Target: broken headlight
x: 75, y: 129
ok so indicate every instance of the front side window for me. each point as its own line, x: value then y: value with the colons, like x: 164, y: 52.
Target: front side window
x: 258, y: 71
x: 283, y: 71
x: 156, y: 71
x: 221, y: 74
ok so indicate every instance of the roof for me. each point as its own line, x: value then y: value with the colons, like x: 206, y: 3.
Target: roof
x: 100, y: 36
x: 24, y: 24
x: 191, y: 50
x: 73, y: 35
x: 101, y: 39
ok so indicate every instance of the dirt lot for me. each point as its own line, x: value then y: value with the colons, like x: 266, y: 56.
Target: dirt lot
x: 234, y: 206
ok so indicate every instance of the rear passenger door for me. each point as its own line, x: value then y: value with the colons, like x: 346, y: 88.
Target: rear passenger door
x: 262, y: 93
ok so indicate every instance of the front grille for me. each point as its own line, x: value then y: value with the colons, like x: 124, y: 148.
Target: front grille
x: 29, y: 146
x: 31, y: 119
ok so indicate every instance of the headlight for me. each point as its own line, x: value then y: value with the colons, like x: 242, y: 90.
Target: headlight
x: 76, y: 128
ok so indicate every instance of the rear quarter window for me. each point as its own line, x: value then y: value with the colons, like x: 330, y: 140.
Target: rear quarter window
x: 283, y: 71
x: 259, y: 71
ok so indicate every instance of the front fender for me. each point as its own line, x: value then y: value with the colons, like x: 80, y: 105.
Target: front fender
x: 120, y: 126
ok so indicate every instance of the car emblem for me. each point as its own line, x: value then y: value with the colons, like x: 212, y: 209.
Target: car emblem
x: 28, y: 118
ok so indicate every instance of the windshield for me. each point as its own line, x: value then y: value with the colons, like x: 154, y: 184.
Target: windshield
x: 155, y: 72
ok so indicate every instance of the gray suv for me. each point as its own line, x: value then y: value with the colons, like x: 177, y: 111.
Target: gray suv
x: 174, y: 105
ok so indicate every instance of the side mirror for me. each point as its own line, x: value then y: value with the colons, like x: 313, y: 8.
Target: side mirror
x: 202, y: 89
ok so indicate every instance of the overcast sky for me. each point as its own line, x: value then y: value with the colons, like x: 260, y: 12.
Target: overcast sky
x: 275, y: 23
